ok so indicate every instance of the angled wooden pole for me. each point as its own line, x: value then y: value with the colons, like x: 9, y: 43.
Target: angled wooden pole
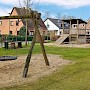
x: 36, y: 23
x: 41, y: 41
x: 42, y: 47
x: 25, y: 71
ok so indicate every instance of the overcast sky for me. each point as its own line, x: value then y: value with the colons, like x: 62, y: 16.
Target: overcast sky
x: 55, y: 8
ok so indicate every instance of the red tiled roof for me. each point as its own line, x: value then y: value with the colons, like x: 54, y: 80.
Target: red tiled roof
x: 22, y: 11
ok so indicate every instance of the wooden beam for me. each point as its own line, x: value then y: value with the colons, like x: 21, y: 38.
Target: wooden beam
x: 70, y: 32
x: 16, y: 17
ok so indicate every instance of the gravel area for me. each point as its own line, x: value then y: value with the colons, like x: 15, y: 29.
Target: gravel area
x: 68, y: 45
x: 11, y: 71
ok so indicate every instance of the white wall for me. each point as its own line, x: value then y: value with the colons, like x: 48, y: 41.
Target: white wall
x: 52, y: 26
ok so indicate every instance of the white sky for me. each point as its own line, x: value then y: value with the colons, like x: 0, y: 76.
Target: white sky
x: 65, y: 3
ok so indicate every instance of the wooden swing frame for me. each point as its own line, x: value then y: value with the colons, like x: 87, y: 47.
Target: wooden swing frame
x: 35, y: 16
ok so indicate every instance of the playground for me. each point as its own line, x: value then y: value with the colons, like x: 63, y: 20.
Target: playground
x: 11, y: 71
x: 62, y: 68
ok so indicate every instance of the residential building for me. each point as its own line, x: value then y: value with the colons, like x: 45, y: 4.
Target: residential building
x: 55, y: 25
x: 12, y: 26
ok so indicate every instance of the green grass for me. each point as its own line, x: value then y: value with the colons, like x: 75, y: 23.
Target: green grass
x: 71, y: 77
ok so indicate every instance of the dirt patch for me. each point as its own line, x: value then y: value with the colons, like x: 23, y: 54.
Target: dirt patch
x: 11, y: 71
x: 69, y: 45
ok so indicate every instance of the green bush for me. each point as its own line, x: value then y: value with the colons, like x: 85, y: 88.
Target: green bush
x: 22, y: 31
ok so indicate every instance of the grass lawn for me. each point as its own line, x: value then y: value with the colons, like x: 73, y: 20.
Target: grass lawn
x: 71, y: 77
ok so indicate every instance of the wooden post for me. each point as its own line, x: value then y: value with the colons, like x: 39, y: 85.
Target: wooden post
x: 85, y: 33
x: 36, y: 22
x: 63, y: 26
x: 29, y: 56
x: 42, y: 47
x: 31, y: 49
x: 77, y: 31
x: 41, y: 41
x: 70, y: 34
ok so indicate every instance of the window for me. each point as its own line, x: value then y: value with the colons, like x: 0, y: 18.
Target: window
x: 60, y: 32
x: 17, y: 23
x: 17, y: 32
x: 83, y: 25
x: 31, y: 33
x: 0, y: 32
x: 47, y: 25
x: 88, y: 33
x: 56, y: 32
x: 12, y: 23
x: 10, y: 32
x: 75, y: 26
x: 0, y: 23
x: 61, y: 25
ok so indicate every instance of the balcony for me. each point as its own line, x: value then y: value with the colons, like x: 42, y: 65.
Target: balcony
x: 74, y: 31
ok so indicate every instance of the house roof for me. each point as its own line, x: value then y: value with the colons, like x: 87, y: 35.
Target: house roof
x: 74, y: 21
x: 57, y: 22
x: 22, y: 11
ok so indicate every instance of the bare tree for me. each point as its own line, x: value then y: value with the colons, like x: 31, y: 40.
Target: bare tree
x: 59, y: 15
x: 47, y: 14
x: 27, y: 4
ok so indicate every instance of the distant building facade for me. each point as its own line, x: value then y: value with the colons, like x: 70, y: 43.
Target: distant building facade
x: 12, y: 26
x: 55, y: 25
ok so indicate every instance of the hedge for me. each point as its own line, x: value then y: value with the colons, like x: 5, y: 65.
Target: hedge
x: 17, y: 38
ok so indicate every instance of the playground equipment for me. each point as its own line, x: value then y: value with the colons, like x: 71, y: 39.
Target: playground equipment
x: 35, y: 16
x: 6, y: 58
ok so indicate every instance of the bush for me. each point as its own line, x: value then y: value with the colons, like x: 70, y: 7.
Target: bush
x: 22, y: 31
x: 18, y: 38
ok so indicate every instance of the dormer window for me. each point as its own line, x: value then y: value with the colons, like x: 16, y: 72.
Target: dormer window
x: 0, y: 23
